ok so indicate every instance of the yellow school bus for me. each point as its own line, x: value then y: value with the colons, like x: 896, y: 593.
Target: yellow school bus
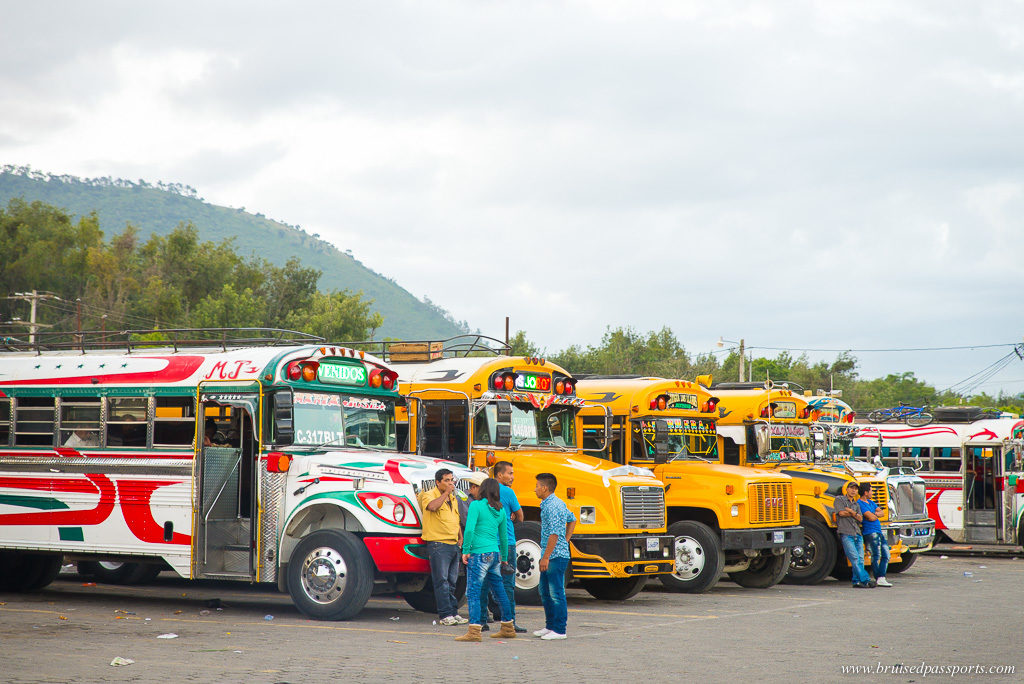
x: 769, y: 426
x: 723, y: 518
x: 469, y: 405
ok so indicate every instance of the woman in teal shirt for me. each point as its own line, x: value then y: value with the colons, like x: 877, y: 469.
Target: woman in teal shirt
x: 484, y: 547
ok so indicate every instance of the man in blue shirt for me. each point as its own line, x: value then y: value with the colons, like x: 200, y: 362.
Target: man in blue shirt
x: 556, y: 527
x: 505, y: 475
x: 874, y: 539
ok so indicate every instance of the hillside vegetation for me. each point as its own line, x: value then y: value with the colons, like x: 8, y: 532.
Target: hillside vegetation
x: 157, y: 209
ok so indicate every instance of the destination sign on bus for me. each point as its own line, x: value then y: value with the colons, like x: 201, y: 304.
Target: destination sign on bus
x: 681, y: 426
x: 342, y: 374
x: 533, y: 382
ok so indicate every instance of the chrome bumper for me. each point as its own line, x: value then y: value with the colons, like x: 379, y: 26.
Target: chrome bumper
x: 916, y: 535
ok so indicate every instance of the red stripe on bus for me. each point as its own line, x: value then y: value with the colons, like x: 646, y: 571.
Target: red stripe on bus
x: 178, y: 368
x: 138, y: 513
x: 92, y: 484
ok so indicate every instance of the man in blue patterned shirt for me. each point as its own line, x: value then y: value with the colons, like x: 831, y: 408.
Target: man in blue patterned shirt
x: 556, y: 527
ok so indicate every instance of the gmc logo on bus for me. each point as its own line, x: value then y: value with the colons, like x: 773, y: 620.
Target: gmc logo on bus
x: 773, y: 502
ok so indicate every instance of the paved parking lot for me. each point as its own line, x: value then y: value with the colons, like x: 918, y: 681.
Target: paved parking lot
x: 935, y: 615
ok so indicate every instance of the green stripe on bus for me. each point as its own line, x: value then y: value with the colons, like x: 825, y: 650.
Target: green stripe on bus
x: 71, y: 534
x: 43, y: 503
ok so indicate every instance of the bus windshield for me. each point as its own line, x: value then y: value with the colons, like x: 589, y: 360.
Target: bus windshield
x: 778, y: 442
x: 688, y: 439
x: 323, y: 419
x: 554, y: 426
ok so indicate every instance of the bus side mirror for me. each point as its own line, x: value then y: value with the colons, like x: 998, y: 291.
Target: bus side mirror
x: 284, y: 424
x: 763, y: 441
x: 660, y: 441
x: 503, y: 425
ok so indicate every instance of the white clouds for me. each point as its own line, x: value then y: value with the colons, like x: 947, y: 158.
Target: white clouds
x: 582, y: 164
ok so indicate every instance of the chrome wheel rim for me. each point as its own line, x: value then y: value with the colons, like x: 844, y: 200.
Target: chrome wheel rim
x: 528, y: 553
x: 690, y: 559
x: 324, y: 575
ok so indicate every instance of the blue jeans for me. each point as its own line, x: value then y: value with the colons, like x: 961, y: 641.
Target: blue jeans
x: 552, y: 595
x: 879, y: 548
x: 510, y: 590
x: 444, y: 571
x: 483, y: 570
x: 853, y: 545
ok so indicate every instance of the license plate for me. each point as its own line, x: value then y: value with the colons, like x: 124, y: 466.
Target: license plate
x: 653, y: 544
x: 778, y: 537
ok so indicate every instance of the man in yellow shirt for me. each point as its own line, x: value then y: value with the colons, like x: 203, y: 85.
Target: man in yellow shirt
x: 443, y: 536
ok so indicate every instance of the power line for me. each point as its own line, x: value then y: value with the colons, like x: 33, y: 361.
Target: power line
x: 894, y: 349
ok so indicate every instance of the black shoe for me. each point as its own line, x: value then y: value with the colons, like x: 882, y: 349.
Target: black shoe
x: 872, y: 584
x: 485, y: 628
x: 860, y: 586
x: 520, y: 630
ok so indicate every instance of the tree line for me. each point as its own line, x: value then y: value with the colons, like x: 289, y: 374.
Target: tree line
x: 658, y: 353
x: 165, y: 281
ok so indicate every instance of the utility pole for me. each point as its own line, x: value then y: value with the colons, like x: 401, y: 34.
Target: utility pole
x: 742, y: 359
x: 33, y: 298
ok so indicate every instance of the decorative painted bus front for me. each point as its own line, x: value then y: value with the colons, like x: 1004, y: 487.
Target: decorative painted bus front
x: 297, y: 482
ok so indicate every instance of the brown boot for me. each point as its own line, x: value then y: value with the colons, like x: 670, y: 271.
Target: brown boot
x: 508, y: 631
x: 472, y: 635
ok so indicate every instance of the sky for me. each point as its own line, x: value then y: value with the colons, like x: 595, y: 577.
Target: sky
x: 801, y: 175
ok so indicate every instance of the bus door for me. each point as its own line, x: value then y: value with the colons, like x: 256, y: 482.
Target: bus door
x: 982, y: 498
x: 227, y: 450
x: 443, y: 429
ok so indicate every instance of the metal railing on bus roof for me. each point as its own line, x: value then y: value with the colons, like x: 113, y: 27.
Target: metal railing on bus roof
x: 426, y: 350
x: 173, y: 338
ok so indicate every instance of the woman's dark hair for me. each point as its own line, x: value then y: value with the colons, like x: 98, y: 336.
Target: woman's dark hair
x: 489, y: 490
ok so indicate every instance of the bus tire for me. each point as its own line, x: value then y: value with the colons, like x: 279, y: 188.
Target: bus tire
x: 23, y: 572
x: 113, y: 572
x: 425, y: 600
x: 330, y: 575
x: 764, y: 571
x: 842, y: 570
x: 878, y: 416
x: 614, y: 589
x: 699, y: 558
x: 527, y: 563
x: 816, y: 557
x: 919, y: 419
x: 906, y: 560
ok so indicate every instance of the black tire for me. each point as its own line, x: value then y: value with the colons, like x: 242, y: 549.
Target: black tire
x: 816, y: 557
x: 699, y: 558
x: 112, y: 572
x: 330, y: 575
x: 878, y: 416
x: 24, y: 572
x: 919, y: 419
x: 764, y: 571
x: 527, y: 563
x: 906, y: 560
x: 614, y: 589
x: 425, y: 600
x: 843, y: 570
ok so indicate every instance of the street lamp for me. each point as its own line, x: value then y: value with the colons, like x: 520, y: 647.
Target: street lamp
x: 721, y: 343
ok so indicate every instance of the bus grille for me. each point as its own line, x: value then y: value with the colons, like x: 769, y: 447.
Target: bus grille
x: 909, y: 500
x: 643, y: 507
x: 426, y: 485
x: 880, y: 495
x: 770, y: 502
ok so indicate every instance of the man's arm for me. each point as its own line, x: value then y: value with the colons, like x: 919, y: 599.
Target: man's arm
x: 548, y: 550
x: 570, y: 527
x: 436, y: 504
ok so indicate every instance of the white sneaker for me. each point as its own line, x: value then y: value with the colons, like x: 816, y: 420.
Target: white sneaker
x: 542, y: 632
x: 882, y: 582
x: 551, y: 636
x: 449, y: 621
x: 459, y: 620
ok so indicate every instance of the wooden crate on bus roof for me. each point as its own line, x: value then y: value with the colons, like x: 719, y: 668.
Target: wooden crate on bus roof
x: 414, y: 351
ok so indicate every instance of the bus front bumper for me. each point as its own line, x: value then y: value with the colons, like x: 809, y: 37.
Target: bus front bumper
x: 621, y: 556
x: 762, y: 538
x: 917, y: 536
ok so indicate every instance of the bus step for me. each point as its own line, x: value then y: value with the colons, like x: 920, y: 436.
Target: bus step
x: 245, y: 548
x: 226, y: 575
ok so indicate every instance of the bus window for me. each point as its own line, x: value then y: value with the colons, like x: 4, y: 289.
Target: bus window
x: 34, y: 421
x: 593, y: 436
x: 174, y: 422
x: 126, y: 421
x: 484, y: 425
x: 445, y: 430
x: 80, y: 421
x: 890, y: 456
x: 946, y: 460
x: 5, y: 421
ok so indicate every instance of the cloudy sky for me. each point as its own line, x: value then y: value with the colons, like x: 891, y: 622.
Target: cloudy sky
x: 833, y: 175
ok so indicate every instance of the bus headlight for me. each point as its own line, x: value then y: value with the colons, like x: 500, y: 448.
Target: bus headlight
x: 588, y: 515
x: 735, y: 511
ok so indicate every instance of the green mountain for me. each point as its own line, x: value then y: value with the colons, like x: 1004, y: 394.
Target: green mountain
x: 159, y: 208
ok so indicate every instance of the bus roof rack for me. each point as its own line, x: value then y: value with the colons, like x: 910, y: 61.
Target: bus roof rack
x: 744, y: 385
x: 964, y: 414
x: 408, y: 351
x: 164, y: 338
